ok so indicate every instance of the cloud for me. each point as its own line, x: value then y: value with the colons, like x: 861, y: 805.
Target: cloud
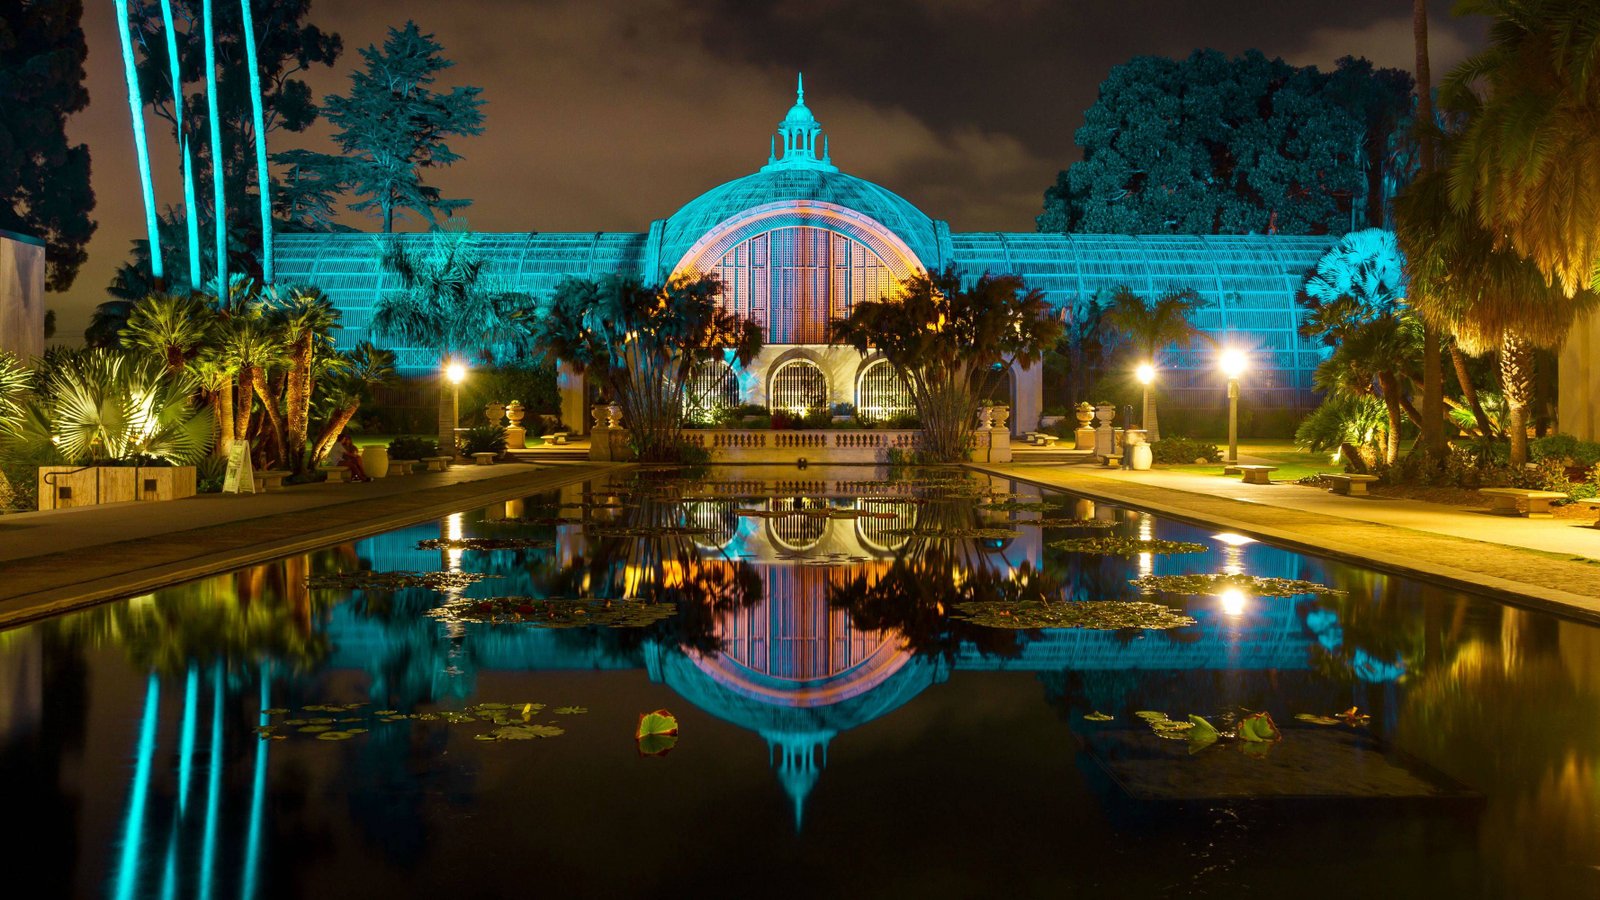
x: 1387, y: 42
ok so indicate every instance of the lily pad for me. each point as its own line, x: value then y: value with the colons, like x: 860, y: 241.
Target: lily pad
x: 315, y: 729
x: 1098, y: 716
x: 526, y: 732
x: 506, y: 543
x: 335, y: 736
x: 1255, y: 585
x: 657, y: 744
x: 1121, y: 545
x: 275, y: 711
x: 394, y: 581
x: 1259, y: 728
x: 556, y: 612
x: 1318, y: 720
x: 654, y: 723
x: 953, y: 533
x: 1102, y: 615
x: 571, y: 710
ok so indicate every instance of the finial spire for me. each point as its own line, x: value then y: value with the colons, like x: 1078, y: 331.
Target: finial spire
x: 798, y: 132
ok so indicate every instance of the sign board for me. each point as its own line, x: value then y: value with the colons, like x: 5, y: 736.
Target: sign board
x: 241, y: 477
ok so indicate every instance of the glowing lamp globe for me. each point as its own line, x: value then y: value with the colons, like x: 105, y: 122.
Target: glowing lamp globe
x: 1233, y: 363
x: 1146, y: 373
x: 456, y: 372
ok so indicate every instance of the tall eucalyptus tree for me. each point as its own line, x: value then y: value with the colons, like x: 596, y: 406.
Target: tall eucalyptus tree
x: 190, y: 212
x: 263, y: 177
x: 140, y: 146
x: 219, y: 211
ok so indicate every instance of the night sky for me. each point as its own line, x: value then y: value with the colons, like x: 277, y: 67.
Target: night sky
x: 606, y: 115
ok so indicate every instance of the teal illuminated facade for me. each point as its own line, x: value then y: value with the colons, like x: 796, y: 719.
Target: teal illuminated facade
x: 799, y: 242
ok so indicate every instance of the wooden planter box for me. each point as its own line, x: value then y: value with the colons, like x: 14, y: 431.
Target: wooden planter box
x: 66, y: 487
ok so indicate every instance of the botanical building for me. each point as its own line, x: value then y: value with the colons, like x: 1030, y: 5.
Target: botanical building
x: 798, y: 242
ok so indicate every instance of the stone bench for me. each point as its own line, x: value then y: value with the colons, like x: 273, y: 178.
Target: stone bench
x: 1521, y: 501
x: 402, y: 466
x: 1255, y: 474
x: 483, y: 459
x: 336, y: 474
x: 1114, y: 461
x: 557, y: 437
x: 1048, y: 440
x: 1593, y: 504
x: 437, y: 463
x: 270, y: 480
x: 1350, y: 485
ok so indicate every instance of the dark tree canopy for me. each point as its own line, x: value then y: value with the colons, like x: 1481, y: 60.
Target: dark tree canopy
x: 286, y: 47
x: 391, y: 127
x: 44, y: 179
x: 1219, y: 145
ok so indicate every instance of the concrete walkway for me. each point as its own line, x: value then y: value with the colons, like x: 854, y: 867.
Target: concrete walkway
x: 1550, y: 563
x: 54, y: 561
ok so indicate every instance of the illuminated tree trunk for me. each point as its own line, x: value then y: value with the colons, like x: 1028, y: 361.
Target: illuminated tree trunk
x: 141, y: 148
x: 1391, y: 401
x: 191, y: 214
x: 222, y: 403
x: 297, y: 398
x: 242, y: 407
x: 1470, y: 391
x: 219, y: 212
x: 1516, y: 380
x: 263, y: 176
x: 1432, y: 422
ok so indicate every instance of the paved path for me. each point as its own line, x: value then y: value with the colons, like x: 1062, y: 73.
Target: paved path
x: 1552, y: 563
x: 59, y: 560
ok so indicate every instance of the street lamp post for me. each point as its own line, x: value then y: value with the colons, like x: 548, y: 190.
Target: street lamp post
x: 1147, y: 375
x: 1233, y: 365
x: 453, y: 373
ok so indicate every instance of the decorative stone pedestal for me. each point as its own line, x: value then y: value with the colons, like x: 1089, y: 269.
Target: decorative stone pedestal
x: 1105, y: 440
x: 516, y: 435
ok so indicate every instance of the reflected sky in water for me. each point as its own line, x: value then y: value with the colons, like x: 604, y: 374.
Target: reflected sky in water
x: 841, y: 732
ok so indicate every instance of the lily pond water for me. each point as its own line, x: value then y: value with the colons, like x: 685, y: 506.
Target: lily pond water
x: 863, y: 683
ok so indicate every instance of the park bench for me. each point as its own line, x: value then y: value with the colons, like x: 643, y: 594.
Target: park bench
x: 1521, y: 501
x: 437, y: 463
x: 1047, y: 440
x: 1255, y: 474
x: 336, y: 474
x: 1593, y: 504
x: 557, y: 437
x: 401, y: 466
x: 1350, y: 485
x: 1113, y: 461
x: 483, y: 459
x: 270, y: 480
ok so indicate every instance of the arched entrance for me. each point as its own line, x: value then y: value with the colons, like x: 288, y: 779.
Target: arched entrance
x: 798, y: 386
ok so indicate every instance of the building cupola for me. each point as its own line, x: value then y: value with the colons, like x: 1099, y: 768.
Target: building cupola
x: 799, y: 132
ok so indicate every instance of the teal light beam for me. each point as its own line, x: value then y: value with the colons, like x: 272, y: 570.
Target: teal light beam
x: 219, y: 201
x: 208, y: 854
x: 191, y: 215
x: 258, y: 789
x: 141, y: 148
x: 263, y: 176
x: 133, y: 833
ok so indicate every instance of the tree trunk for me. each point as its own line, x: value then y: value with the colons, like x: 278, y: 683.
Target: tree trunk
x: 222, y: 407
x: 1391, y: 401
x: 269, y: 403
x: 1516, y: 380
x: 297, y: 399
x: 246, y: 399
x: 331, y: 433
x: 1432, y: 422
x: 1470, y: 391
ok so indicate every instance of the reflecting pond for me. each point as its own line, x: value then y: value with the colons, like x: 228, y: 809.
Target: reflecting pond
x: 929, y: 682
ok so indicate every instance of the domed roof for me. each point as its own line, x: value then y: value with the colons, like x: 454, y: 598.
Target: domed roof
x: 804, y: 171
x: 724, y: 202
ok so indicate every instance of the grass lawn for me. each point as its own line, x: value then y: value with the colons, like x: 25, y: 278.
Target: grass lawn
x: 1292, y: 462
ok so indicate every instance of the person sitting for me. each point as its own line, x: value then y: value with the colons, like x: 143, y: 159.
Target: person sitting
x: 344, y: 453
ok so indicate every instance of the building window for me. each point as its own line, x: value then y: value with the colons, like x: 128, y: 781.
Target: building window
x: 792, y: 280
x: 798, y: 386
x: 711, y: 389
x: 882, y: 394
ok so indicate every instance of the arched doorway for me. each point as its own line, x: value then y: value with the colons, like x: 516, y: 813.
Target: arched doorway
x: 881, y: 394
x: 798, y: 386
x: 712, y: 388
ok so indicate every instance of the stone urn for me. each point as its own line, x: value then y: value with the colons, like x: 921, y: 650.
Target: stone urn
x: 614, y: 415
x: 494, y: 412
x: 985, y: 417
x: 375, y: 459
x: 1104, y: 413
x: 599, y: 413
x: 1084, y: 414
x: 516, y: 435
x: 1002, y: 414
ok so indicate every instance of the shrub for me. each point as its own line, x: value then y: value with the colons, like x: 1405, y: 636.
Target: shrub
x: 412, y: 448
x: 1180, y: 450
x: 484, y: 439
x: 1563, y: 447
x: 844, y: 409
x: 209, y: 473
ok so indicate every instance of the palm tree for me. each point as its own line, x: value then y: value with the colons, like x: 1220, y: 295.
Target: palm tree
x: 447, y: 303
x: 106, y: 405
x: 172, y: 328
x: 219, y: 200
x: 1432, y: 423
x: 1528, y: 160
x: 15, y: 383
x: 1487, y: 297
x: 306, y: 317
x: 140, y: 146
x: 190, y: 214
x: 250, y: 344
x: 1364, y: 363
x: 263, y: 176
x: 365, y: 367
x: 1152, y: 328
